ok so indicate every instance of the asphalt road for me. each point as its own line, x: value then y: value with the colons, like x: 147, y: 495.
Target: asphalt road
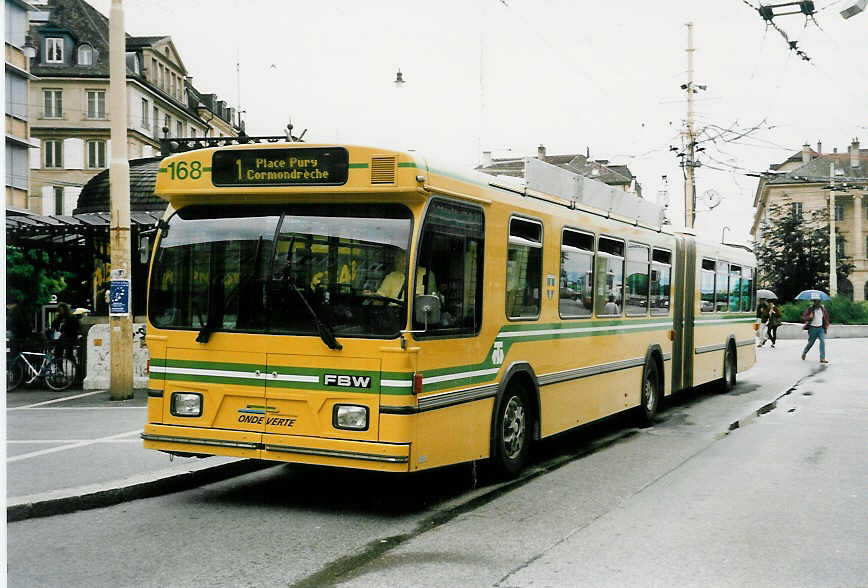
x: 723, y: 490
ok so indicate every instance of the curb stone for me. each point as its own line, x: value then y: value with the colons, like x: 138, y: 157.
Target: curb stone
x: 142, y: 486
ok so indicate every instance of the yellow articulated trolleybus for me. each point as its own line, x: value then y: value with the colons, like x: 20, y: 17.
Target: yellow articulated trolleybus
x: 282, y: 325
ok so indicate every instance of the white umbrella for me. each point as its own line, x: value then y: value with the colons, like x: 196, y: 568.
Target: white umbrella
x: 760, y: 294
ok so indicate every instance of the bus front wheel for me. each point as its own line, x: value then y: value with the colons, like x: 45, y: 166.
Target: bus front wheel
x: 651, y: 393
x: 511, y: 431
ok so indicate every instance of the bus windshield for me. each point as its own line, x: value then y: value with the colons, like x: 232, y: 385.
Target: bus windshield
x: 289, y: 269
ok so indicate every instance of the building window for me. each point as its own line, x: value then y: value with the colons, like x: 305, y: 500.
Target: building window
x: 866, y: 250
x: 154, y: 70
x: 96, y: 104
x: 53, y: 153
x: 85, y: 55
x: 839, y: 212
x: 58, y: 199
x: 145, y: 111
x: 96, y: 154
x: 796, y: 208
x: 156, y: 122
x: 192, y: 131
x: 179, y: 128
x: 839, y: 246
x: 52, y: 103
x: 53, y: 50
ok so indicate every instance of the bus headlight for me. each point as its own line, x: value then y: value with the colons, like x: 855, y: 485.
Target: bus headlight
x: 350, y: 416
x: 186, y: 404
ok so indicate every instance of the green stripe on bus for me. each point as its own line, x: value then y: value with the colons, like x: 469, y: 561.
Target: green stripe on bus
x: 358, y: 165
x: 407, y: 164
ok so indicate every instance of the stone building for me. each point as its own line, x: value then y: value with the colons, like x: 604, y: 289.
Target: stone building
x: 18, y: 78
x: 803, y: 182
x: 70, y: 118
x: 618, y: 176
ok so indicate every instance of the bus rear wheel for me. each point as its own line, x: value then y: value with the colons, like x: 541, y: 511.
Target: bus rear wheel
x: 729, y: 369
x: 511, y: 431
x: 651, y: 393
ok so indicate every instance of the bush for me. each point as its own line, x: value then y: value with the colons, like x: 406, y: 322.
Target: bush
x: 842, y: 310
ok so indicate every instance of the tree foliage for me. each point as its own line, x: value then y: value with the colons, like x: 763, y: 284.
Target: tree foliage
x: 794, y: 252
x: 31, y: 277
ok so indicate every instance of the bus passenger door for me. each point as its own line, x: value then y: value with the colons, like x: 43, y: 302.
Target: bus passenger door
x: 232, y: 386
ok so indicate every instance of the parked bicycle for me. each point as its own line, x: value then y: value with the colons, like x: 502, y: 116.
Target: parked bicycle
x: 57, y: 371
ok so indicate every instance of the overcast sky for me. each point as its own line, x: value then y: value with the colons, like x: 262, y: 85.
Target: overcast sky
x: 507, y: 76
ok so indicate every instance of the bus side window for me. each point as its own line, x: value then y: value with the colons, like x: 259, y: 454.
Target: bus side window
x: 735, y: 286
x: 449, y: 266
x: 661, y: 276
x: 721, y: 290
x: 577, y: 275
x: 610, y: 277
x: 706, y: 286
x: 636, y: 284
x: 523, y: 269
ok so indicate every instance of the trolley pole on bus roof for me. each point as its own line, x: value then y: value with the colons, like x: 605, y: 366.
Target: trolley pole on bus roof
x: 120, y: 321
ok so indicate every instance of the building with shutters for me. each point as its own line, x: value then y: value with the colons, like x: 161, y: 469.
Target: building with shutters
x: 69, y: 112
x: 802, y: 183
x: 18, y: 78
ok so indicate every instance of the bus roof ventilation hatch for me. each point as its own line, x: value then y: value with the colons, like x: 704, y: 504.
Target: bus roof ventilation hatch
x: 383, y: 170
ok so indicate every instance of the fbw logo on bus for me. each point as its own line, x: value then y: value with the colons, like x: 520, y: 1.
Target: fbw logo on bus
x: 347, y: 381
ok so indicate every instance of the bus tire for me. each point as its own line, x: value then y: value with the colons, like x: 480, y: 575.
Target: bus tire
x: 730, y: 368
x: 511, y: 432
x: 14, y: 375
x: 651, y: 393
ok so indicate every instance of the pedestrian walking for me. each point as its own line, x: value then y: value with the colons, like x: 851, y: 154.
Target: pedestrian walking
x: 817, y: 320
x: 774, y: 322
x: 762, y: 313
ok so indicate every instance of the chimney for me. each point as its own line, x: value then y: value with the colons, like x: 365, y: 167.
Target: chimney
x: 486, y: 158
x: 819, y: 148
x: 854, y: 153
x: 541, y: 152
x: 806, y: 153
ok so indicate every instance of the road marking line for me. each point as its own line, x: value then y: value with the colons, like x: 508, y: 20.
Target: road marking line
x: 64, y: 399
x: 70, y: 446
x: 56, y: 441
x: 79, y: 408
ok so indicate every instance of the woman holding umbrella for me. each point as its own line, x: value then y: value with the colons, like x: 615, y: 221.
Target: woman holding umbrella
x: 816, y: 319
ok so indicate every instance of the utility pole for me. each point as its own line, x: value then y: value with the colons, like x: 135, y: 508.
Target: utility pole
x: 833, y: 253
x: 690, y: 182
x: 120, y: 321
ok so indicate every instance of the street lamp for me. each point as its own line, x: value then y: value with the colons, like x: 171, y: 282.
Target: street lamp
x: 723, y: 232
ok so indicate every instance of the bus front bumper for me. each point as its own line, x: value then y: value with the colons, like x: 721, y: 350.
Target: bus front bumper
x: 369, y: 455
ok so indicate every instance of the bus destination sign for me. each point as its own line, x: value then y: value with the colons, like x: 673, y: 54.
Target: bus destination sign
x: 322, y: 166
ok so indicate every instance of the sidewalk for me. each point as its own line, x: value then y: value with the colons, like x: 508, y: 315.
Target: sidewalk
x: 72, y: 450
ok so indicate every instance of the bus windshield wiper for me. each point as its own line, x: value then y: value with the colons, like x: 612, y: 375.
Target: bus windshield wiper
x: 325, y: 331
